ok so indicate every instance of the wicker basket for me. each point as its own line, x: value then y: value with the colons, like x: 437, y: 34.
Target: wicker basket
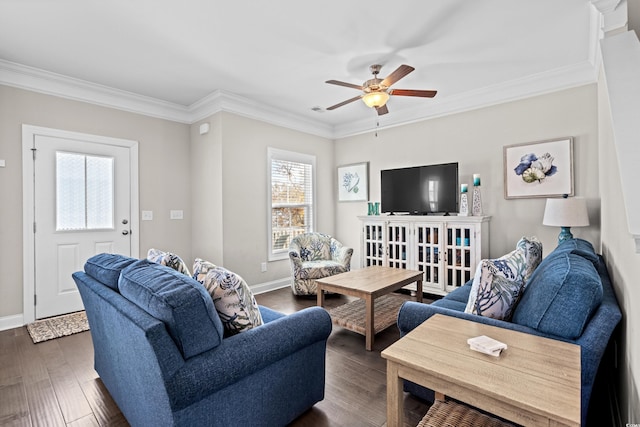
x: 452, y: 414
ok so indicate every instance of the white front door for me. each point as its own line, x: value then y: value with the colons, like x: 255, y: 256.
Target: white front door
x: 82, y: 206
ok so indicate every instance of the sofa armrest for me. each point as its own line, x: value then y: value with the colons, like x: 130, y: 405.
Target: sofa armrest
x: 343, y: 255
x: 412, y: 314
x: 294, y: 256
x: 243, y: 354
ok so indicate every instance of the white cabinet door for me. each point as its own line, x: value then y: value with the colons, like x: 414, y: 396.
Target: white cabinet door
x: 460, y: 254
x: 373, y: 243
x: 398, y: 245
x: 427, y: 255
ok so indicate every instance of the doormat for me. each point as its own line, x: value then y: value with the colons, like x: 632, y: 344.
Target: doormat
x: 58, y: 326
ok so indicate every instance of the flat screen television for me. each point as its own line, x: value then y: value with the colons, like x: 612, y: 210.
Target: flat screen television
x: 420, y: 190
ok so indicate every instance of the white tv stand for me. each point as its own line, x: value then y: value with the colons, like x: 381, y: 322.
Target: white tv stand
x: 446, y: 248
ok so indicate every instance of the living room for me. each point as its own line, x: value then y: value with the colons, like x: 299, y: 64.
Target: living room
x: 209, y: 177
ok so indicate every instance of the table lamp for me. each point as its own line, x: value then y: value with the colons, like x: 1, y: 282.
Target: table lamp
x: 565, y: 213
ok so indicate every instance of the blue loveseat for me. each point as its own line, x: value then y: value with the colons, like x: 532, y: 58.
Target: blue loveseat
x: 568, y: 297
x: 159, y: 349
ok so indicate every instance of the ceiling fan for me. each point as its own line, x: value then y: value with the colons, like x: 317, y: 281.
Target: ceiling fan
x: 376, y: 92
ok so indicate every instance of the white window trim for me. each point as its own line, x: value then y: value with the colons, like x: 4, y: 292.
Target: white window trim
x: 292, y: 156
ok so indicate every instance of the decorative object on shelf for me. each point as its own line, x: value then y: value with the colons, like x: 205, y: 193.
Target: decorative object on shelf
x: 376, y: 208
x: 566, y: 212
x: 464, y: 201
x: 538, y: 169
x: 353, y: 182
x: 371, y: 209
x: 476, y: 206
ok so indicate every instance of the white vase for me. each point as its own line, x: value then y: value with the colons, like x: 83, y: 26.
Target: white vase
x: 476, y: 207
x: 464, y: 205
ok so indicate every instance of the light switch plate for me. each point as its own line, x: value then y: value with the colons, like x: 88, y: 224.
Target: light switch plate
x: 2, y: 164
x: 147, y: 215
x: 176, y: 214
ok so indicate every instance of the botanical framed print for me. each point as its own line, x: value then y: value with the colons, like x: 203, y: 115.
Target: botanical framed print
x: 353, y: 182
x: 539, y: 169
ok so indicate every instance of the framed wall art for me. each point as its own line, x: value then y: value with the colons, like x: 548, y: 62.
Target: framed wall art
x: 539, y: 169
x: 353, y: 182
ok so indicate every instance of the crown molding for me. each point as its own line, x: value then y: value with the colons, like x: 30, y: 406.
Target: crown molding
x: 37, y: 80
x: 220, y: 101
x: 539, y: 84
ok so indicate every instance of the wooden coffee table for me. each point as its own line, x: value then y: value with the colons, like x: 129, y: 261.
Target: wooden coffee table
x: 535, y: 381
x: 368, y: 284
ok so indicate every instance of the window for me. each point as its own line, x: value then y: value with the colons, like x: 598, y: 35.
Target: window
x: 84, y: 192
x: 291, y: 199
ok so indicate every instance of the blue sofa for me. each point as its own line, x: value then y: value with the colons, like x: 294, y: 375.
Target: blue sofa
x: 159, y: 350
x: 568, y: 297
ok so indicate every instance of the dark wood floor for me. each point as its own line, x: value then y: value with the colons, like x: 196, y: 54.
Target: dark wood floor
x: 53, y: 383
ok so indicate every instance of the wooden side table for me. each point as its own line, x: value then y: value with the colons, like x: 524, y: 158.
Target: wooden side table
x: 535, y: 381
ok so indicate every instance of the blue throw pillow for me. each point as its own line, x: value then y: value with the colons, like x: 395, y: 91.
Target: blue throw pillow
x: 562, y: 294
x: 180, y: 302
x: 106, y: 268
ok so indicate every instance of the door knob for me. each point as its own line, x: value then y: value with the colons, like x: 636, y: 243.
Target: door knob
x: 124, y: 221
x: 125, y: 232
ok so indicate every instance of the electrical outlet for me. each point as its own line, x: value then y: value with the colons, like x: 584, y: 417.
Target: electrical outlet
x: 263, y: 267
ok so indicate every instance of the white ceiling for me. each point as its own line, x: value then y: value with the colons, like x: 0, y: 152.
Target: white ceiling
x: 276, y: 56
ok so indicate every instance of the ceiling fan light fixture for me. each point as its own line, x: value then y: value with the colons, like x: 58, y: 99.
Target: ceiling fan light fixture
x: 375, y: 99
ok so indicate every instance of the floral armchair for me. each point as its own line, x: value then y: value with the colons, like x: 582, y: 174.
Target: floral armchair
x: 314, y: 256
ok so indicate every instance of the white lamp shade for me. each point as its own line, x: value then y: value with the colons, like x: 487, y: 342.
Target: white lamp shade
x: 375, y: 99
x: 566, y: 212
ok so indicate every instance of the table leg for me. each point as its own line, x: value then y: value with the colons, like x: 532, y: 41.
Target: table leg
x: 395, y: 398
x: 419, y: 290
x: 320, y: 296
x: 369, y: 329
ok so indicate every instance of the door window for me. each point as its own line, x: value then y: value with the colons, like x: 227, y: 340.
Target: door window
x: 84, y: 192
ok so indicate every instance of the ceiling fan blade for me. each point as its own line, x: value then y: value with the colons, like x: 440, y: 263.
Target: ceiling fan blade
x: 399, y: 73
x: 382, y: 110
x: 413, y: 92
x: 339, y: 83
x: 355, y: 98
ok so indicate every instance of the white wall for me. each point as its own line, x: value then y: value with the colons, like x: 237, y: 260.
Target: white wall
x: 163, y: 168
x: 475, y: 139
x: 623, y: 263
x: 237, y: 178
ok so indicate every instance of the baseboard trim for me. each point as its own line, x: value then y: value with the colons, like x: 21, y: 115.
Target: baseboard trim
x: 10, y: 322
x: 261, y: 288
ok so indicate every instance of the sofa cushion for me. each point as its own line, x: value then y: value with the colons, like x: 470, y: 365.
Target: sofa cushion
x: 106, y: 268
x: 498, y: 283
x: 320, y: 269
x: 450, y: 304
x: 177, y: 300
x: 314, y: 246
x: 169, y: 259
x: 461, y: 294
x: 579, y: 247
x: 232, y: 297
x: 561, y: 296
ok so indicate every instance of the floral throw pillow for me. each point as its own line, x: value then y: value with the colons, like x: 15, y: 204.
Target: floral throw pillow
x: 498, y: 283
x: 232, y: 297
x: 168, y: 259
x: 201, y: 268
